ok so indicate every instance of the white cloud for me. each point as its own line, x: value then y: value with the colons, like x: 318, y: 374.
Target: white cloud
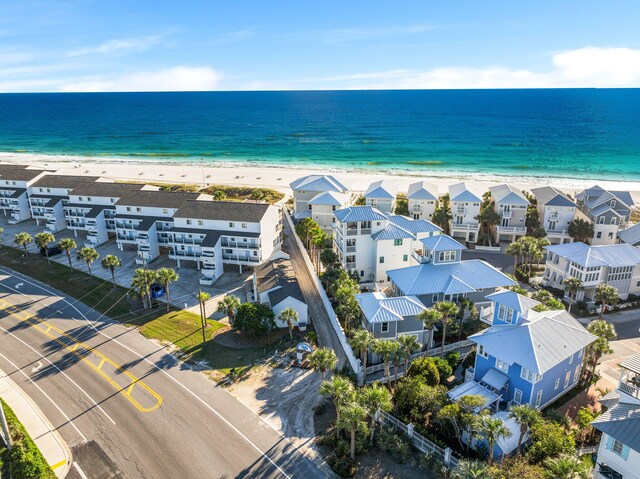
x: 178, y: 78
x: 118, y: 45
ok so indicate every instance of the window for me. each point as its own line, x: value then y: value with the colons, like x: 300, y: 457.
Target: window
x: 576, y: 373
x: 580, y: 353
x: 567, y: 378
x: 232, y: 225
x: 599, y: 234
x: 384, y: 327
x: 601, y: 220
x: 447, y: 255
x: 571, y: 358
x: 434, y: 298
x: 613, y: 203
x: 617, y: 447
x: 397, y: 242
x: 614, y: 220
x: 517, y: 396
x: 200, y: 222
x: 128, y: 208
x: 482, y: 352
x: 556, y: 384
x: 188, y: 222
x: 610, y: 234
x: 381, y: 259
x: 165, y: 211
x: 538, y: 398
x: 529, y: 375
x: 79, y: 198
x: 502, y: 366
x: 505, y: 314
x: 138, y: 209
x: 405, y: 257
x: 362, y: 274
x: 244, y: 226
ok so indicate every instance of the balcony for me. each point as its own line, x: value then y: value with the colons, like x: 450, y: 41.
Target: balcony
x: 506, y: 214
x: 242, y: 259
x: 352, y: 232
x: 235, y: 244
x: 520, y: 230
x: 125, y: 237
x: 416, y: 209
x: 465, y: 226
x: 350, y: 265
x: 365, y: 231
x: 351, y: 249
x: 629, y: 388
x: 185, y: 240
x: 553, y: 216
x: 184, y: 254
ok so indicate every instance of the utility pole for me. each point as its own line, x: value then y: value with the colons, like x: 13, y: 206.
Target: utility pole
x: 202, y: 318
x: 5, y: 428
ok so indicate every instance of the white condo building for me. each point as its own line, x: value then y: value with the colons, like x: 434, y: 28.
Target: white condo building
x: 14, y: 198
x: 422, y: 198
x: 465, y: 209
x: 317, y: 197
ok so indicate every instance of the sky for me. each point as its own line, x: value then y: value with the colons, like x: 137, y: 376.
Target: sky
x: 155, y: 45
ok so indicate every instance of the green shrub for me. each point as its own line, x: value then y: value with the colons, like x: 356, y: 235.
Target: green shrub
x: 426, y: 370
x: 443, y: 368
x: 394, y: 444
x: 470, y: 359
x: 453, y: 358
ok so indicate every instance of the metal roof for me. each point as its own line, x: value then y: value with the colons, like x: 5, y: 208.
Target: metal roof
x: 473, y: 388
x: 621, y: 422
x: 548, y: 195
x: 414, y: 226
x: 539, y: 342
x: 359, y: 213
x: 422, y: 191
x: 632, y: 363
x: 495, y: 379
x: 460, y: 192
x: 513, y: 300
x: 631, y: 235
x: 432, y: 278
x: 377, y: 308
x: 319, y: 183
x: 442, y: 243
x: 381, y: 189
x: 612, y: 255
x: 392, y: 231
x: 329, y: 198
x: 507, y: 194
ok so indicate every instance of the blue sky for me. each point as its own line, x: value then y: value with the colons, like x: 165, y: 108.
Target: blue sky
x: 83, y: 45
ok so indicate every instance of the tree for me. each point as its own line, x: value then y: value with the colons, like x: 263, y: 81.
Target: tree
x: 67, y: 244
x: 448, y: 311
x: 429, y: 317
x: 525, y: 416
x: 341, y: 391
x: 492, y: 429
x: 352, y: 419
x: 88, y: 255
x: 374, y: 398
x: 548, y: 439
x: 165, y: 277
x: 255, y: 319
x: 516, y: 467
x: 581, y: 230
x: 203, y: 297
x: 442, y: 214
x: 461, y: 415
x: 23, y: 239
x: 289, y: 316
x: 386, y: 348
x: 219, y: 195
x: 572, y: 286
x: 515, y: 250
x: 468, y: 469
x: 604, y: 333
x: 425, y: 368
x: 417, y: 402
x: 329, y: 259
x: 110, y: 262
x: 606, y: 295
x: 488, y: 218
x: 141, y: 283
x: 323, y: 360
x: 43, y: 240
x: 229, y: 305
x: 361, y: 340
x: 408, y: 345
x: 567, y: 466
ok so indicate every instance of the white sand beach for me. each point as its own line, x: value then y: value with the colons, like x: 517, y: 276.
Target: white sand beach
x: 277, y: 177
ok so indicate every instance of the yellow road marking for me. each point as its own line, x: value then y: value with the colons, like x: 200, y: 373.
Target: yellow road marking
x: 59, y: 464
x: 47, y: 328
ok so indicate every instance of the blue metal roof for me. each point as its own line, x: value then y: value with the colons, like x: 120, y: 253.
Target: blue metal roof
x: 432, y: 278
x: 381, y: 189
x: 319, y: 183
x: 392, y: 232
x: 414, y: 226
x: 631, y: 235
x: 421, y: 191
x: 513, y: 300
x: 377, y: 308
x: 613, y: 255
x: 330, y: 198
x: 359, y: 213
x: 459, y: 192
x: 442, y: 243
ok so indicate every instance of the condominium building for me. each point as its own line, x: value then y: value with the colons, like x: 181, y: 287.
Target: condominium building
x: 382, y: 196
x: 318, y: 196
x: 511, y: 205
x: 465, y: 209
x: 14, y: 198
x: 609, y: 211
x: 422, y: 199
x: 556, y: 211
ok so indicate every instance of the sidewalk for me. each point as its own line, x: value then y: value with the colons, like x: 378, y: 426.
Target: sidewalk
x: 48, y: 440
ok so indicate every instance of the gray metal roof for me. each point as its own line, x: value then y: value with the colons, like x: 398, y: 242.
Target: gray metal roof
x: 548, y: 195
x: 392, y: 232
x: 631, y: 235
x: 319, y: 183
x: 330, y: 198
x: 632, y: 363
x: 613, y: 255
x: 621, y: 422
x: 507, y: 194
x: 414, y: 226
x: 495, y: 379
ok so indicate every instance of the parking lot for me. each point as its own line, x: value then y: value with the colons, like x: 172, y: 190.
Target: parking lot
x: 183, y: 292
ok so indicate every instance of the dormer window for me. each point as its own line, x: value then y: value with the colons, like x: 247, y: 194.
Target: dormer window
x: 613, y: 203
x: 505, y: 314
x: 447, y: 256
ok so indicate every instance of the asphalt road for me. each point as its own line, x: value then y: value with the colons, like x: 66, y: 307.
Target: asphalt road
x: 127, y: 408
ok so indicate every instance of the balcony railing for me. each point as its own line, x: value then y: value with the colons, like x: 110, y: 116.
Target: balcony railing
x: 352, y: 232
x: 350, y: 265
x: 465, y: 226
x: 232, y: 244
x: 243, y: 259
x: 630, y: 389
x: 553, y: 216
x: 507, y: 214
x: 512, y: 229
x: 351, y: 249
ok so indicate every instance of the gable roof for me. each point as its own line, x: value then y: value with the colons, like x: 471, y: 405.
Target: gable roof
x: 631, y: 235
x: 359, y: 213
x: 597, y: 195
x: 156, y: 199
x: 414, y: 226
x: 277, y: 278
x: 459, y: 192
x: 63, y: 181
x: 442, y: 243
x: 319, y: 183
x: 538, y: 342
x: 392, y: 231
x: 377, y: 308
x: 381, y: 189
x: 549, y: 196
x: 513, y: 300
x: 621, y: 422
x: 330, y: 198
x: 222, y: 210
x: 19, y: 172
x: 612, y: 255
x: 507, y: 194
x: 430, y: 278
x: 632, y: 363
x: 422, y: 190
x: 105, y: 189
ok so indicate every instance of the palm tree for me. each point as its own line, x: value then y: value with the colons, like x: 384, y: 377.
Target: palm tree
x: 429, y: 317
x: 468, y: 469
x: 604, y: 332
x: 203, y: 297
x: 567, y: 466
x: 572, y: 286
x: 23, y: 239
x: 111, y: 262
x: 289, y: 316
x: 229, y: 305
x: 581, y: 230
x: 43, y: 240
x: 341, y: 391
x: 166, y: 276
x: 352, y: 418
x: 408, y: 345
x: 88, y: 255
x: 387, y: 349
x: 448, y: 311
x: 323, y: 359
x: 374, y: 398
x: 515, y: 250
x: 328, y: 258
x: 219, y: 195
x: 492, y: 430
x: 606, y: 295
x: 142, y: 281
x: 67, y: 244
x: 361, y: 340
x: 525, y: 416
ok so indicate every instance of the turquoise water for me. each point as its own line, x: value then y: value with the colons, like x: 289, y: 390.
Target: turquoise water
x: 584, y: 134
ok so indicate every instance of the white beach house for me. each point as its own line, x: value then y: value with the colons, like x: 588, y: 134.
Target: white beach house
x: 14, y: 198
x: 422, y: 198
x: 556, y: 211
x: 465, y: 208
x: 382, y: 196
x: 318, y: 196
x: 609, y: 211
x: 511, y: 204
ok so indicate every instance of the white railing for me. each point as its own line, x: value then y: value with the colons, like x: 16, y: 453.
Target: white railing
x: 512, y: 229
x: 465, y: 226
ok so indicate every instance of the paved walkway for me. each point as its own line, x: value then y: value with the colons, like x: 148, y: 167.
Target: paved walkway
x: 48, y: 440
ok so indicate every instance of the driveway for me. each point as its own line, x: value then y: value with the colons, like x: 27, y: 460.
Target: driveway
x: 501, y: 261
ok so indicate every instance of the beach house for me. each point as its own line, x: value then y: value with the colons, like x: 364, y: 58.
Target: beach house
x: 465, y: 208
x: 511, y: 205
x: 14, y: 198
x: 318, y: 196
x: 391, y: 317
x: 630, y: 236
x: 609, y: 211
x: 617, y: 265
x: 48, y: 196
x: 382, y: 196
x: 619, y: 450
x: 91, y: 209
x: 442, y: 275
x: 556, y: 211
x: 422, y: 199
x: 370, y: 242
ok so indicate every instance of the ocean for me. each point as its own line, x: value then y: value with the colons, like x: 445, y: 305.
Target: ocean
x: 585, y: 134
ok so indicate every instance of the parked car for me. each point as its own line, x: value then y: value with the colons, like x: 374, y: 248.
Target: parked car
x: 52, y: 250
x: 157, y: 291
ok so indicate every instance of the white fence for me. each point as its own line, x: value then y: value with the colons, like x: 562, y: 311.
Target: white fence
x: 333, y: 319
x: 420, y: 442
